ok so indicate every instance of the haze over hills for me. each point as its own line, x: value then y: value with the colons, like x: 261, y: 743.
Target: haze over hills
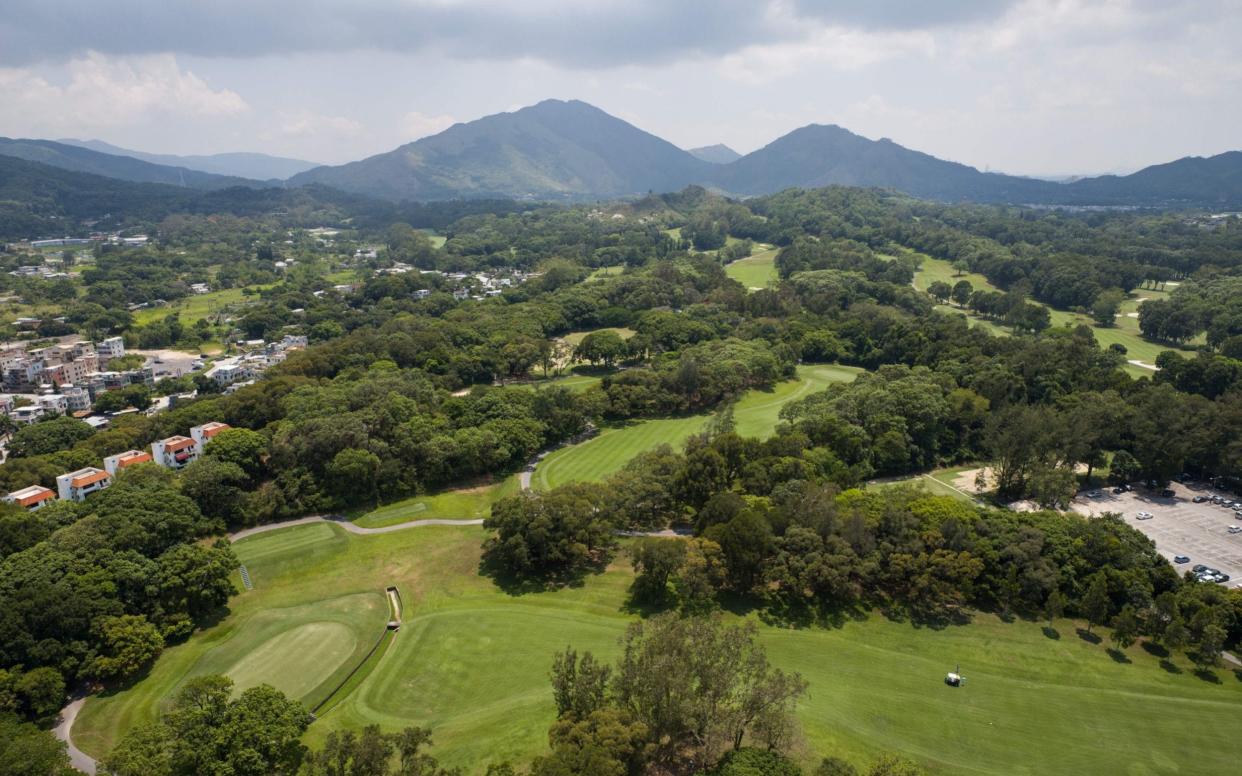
x: 77, y: 159
x: 716, y: 154
x: 552, y: 150
x: 241, y: 164
x: 572, y: 150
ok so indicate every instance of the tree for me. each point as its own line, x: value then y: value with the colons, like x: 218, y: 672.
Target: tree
x: 1054, y: 606
x: 353, y: 475
x: 940, y: 291
x: 962, y: 290
x: 579, y: 686
x: 240, y: 447
x: 372, y: 753
x: 48, y: 436
x: 554, y: 536
x: 601, y: 347
x: 655, y: 562
x: 607, y: 742
x: 25, y: 750
x: 1096, y: 603
x: 1125, y: 627
x: 42, y: 691
x: 695, y: 682
x: 1106, y: 306
x: 128, y: 643
x: 207, y: 731
x: 749, y: 761
x: 217, y: 486
x: 1123, y: 468
x: 960, y: 267
x: 1211, y: 644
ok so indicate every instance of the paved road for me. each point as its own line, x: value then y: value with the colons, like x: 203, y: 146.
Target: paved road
x: 348, y: 526
x: 79, y: 759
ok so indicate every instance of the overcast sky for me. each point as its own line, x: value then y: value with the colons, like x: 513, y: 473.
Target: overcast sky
x: 1041, y: 87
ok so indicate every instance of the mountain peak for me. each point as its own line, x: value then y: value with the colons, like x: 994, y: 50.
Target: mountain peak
x: 716, y: 154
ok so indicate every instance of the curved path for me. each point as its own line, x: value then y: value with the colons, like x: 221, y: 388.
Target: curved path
x: 79, y: 759
x: 348, y: 526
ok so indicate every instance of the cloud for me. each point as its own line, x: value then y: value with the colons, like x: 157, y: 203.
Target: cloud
x: 97, y: 91
x: 416, y: 125
x: 603, y: 33
x: 900, y: 14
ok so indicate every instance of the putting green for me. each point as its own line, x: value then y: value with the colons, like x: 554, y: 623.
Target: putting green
x: 296, y: 661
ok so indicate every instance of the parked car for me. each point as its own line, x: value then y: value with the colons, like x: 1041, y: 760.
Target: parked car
x: 1166, y: 493
x: 1118, y: 491
x: 1199, y: 568
x: 1144, y: 516
x: 1180, y: 559
x: 1199, y: 499
x: 1233, y: 529
x: 1096, y: 494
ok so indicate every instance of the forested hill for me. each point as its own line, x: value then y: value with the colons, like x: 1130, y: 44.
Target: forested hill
x: 817, y: 155
x: 126, y: 168
x: 38, y: 200
x: 553, y: 150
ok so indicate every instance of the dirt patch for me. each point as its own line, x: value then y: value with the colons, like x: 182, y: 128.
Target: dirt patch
x: 969, y: 479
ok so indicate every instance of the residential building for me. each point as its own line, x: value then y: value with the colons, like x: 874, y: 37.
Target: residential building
x: 113, y: 347
x: 26, y: 415
x: 6, y: 403
x: 76, y: 486
x: 76, y: 397
x: 229, y: 370
x: 200, y: 288
x: 114, y: 463
x: 175, y: 451
x: 203, y: 434
x: 31, y: 498
x: 54, y: 402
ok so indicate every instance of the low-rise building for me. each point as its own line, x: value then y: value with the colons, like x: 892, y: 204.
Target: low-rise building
x: 175, y: 451
x: 54, y: 402
x: 203, y: 434
x: 26, y: 415
x: 76, y: 397
x: 75, y: 486
x: 112, y: 347
x: 31, y: 498
x: 114, y: 463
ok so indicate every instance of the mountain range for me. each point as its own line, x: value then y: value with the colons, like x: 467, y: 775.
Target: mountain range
x: 571, y: 151
x: 243, y: 164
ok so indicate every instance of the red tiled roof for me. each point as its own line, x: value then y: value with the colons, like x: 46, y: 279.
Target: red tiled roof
x: 34, y: 498
x: 88, y: 479
x: 174, y: 444
x: 132, y: 458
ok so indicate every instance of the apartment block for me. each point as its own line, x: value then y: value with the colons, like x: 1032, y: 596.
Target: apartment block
x: 175, y: 451
x: 31, y: 498
x: 114, y: 463
x: 76, y: 486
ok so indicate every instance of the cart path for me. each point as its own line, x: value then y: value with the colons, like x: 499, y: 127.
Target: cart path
x: 348, y: 526
x: 79, y: 759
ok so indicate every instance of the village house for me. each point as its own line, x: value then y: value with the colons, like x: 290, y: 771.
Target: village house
x: 77, y: 485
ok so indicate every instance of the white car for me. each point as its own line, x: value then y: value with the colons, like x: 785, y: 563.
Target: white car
x: 1235, y: 529
x: 1144, y: 516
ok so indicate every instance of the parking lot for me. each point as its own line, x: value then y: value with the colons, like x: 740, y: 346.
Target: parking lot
x: 1179, y: 526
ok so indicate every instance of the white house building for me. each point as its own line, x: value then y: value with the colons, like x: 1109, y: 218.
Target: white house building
x: 31, y: 498
x: 76, y: 486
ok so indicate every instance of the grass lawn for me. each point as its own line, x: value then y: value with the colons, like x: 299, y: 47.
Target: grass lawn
x: 196, y: 306
x: 609, y: 451
x: 757, y: 412
x: 755, y: 271
x: 459, y: 504
x: 471, y: 662
x: 606, y: 272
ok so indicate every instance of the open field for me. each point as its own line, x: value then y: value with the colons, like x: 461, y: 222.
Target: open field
x: 471, y: 662
x: 755, y: 271
x: 606, y: 272
x: 941, y: 482
x: 609, y: 451
x: 757, y: 412
x: 458, y: 504
x: 196, y: 306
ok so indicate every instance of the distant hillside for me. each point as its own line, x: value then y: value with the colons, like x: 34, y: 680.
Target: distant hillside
x: 818, y: 155
x: 553, y: 150
x: 1214, y: 181
x: 242, y: 164
x: 572, y: 151
x: 716, y: 154
x: 126, y: 168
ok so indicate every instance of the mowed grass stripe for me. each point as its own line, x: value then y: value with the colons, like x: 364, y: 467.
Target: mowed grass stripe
x: 608, y: 452
x: 755, y: 271
x: 298, y: 660
x: 757, y: 413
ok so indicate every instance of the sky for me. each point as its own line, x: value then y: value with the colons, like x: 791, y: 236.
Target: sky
x: 1035, y: 87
